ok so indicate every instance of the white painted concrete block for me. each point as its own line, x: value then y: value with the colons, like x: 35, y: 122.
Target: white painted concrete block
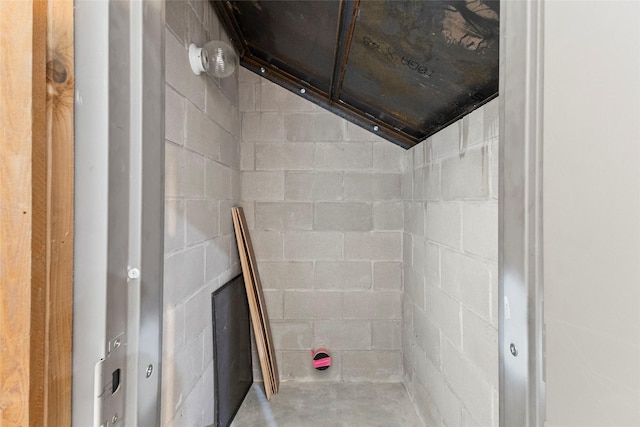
x: 388, y: 216
x: 372, y: 305
x: 174, y: 225
x: 343, y: 156
x: 467, y: 177
x: 201, y: 220
x: 386, y: 335
x: 274, y: 300
x: 192, y: 175
x: 173, y: 165
x: 444, y: 311
x: 343, y: 334
x: 480, y: 229
x: 376, y: 245
x: 313, y: 245
x: 247, y: 97
x: 292, y: 335
x: 343, y: 216
x: 387, y: 276
x: 178, y: 71
x: 444, y: 224
x: 284, y: 156
x: 342, y: 275
x: 286, y: 275
x: 218, y: 181
x: 267, y: 245
x: 309, y: 127
x: 387, y: 157
x: 218, y: 253
x: 414, y: 286
x: 247, y: 156
x: 374, y: 365
x: 202, y: 134
x: 480, y: 343
x: 219, y: 107
x: 414, y: 218
x: 467, y: 279
x: 467, y: 382
x: 276, y: 98
x: 283, y: 216
x: 313, y: 186
x: 268, y: 186
x: 427, y: 336
x: 372, y: 186
x: 312, y: 305
x: 354, y: 132
x: 183, y: 274
x: 175, y: 112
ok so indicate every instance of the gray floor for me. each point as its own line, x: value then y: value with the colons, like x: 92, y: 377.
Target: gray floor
x: 328, y: 405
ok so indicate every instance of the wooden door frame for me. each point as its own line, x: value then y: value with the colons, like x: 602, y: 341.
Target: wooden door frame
x: 36, y: 211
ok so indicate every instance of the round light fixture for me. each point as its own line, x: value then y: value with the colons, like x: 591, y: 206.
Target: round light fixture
x: 215, y: 58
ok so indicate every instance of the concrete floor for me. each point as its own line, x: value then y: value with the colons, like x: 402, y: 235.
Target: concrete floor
x: 328, y: 405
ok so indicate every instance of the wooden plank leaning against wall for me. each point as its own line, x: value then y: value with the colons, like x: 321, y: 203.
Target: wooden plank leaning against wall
x: 36, y: 211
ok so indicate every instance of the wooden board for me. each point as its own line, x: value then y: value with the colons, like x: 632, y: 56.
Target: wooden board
x: 266, y: 329
x: 22, y: 212
x: 260, y: 319
x: 262, y: 305
x: 259, y: 310
x: 36, y: 206
x: 256, y: 320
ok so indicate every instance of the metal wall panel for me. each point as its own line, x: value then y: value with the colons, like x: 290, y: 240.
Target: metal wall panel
x: 522, y: 388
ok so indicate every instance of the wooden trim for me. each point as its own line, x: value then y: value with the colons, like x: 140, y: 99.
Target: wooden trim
x: 60, y: 98
x: 39, y: 218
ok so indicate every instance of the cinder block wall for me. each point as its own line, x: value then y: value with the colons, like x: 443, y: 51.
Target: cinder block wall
x: 323, y: 201
x: 450, y: 258
x: 202, y: 184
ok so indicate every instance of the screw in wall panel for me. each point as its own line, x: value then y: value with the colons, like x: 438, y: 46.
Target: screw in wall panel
x: 133, y: 273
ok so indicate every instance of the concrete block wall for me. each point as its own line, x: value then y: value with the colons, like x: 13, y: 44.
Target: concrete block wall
x: 202, y: 173
x: 450, y: 258
x: 324, y: 205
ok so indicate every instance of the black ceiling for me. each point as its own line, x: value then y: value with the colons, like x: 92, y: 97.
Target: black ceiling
x: 402, y: 69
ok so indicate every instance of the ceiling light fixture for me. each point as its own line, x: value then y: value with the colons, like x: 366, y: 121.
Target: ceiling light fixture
x: 215, y: 58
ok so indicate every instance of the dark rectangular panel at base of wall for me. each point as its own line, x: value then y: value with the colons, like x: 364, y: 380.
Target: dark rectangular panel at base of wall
x: 233, y: 371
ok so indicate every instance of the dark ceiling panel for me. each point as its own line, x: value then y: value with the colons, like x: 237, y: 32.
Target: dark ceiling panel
x: 297, y: 36
x: 424, y: 63
x: 403, y: 69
